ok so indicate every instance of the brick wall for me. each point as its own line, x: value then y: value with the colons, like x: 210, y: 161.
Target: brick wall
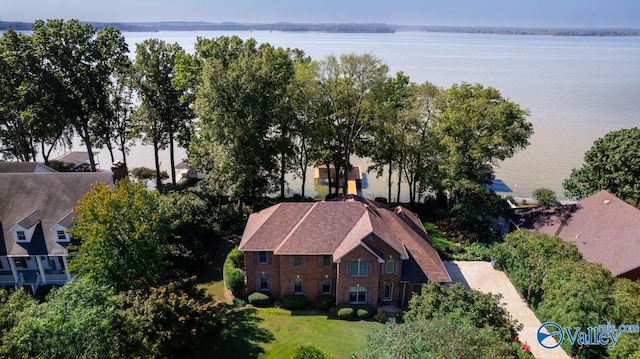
x: 312, y: 272
x: 254, y: 269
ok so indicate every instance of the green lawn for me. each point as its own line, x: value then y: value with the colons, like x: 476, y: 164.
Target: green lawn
x: 443, y: 244
x: 338, y: 338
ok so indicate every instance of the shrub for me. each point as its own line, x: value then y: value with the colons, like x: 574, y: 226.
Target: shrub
x: 345, y: 313
x: 277, y: 303
x: 294, y: 301
x: 231, y: 272
x: 309, y: 352
x: 324, y: 301
x: 239, y: 302
x: 381, y: 317
x: 364, y: 313
x: 380, y: 200
x: 259, y: 299
x: 545, y: 196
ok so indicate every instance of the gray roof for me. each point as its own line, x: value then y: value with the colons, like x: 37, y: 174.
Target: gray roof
x: 44, y: 199
x: 24, y: 167
x: 77, y: 157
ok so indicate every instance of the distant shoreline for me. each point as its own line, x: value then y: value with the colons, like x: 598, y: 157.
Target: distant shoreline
x: 341, y: 28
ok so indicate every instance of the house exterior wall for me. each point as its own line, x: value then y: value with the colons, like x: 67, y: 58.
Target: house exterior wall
x: 631, y: 275
x: 283, y: 271
x: 254, y: 269
x: 346, y: 281
x: 311, y: 272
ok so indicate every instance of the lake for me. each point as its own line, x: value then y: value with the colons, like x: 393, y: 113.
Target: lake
x: 577, y: 88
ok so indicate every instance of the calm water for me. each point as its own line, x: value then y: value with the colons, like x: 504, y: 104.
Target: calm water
x: 577, y: 88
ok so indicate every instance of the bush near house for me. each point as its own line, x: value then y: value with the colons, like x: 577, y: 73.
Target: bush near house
x: 231, y: 272
x: 294, y: 301
x: 310, y: 352
x: 364, y: 313
x: 345, y: 313
x: 260, y: 299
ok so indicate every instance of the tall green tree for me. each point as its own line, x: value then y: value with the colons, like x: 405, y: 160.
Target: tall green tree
x: 477, y: 127
x: 83, y: 59
x: 613, y: 164
x: 80, y: 320
x: 161, y: 113
x: 123, y: 237
x: 240, y: 102
x: 347, y: 85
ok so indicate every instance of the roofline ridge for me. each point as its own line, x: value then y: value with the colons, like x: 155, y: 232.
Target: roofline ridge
x: 263, y: 222
x: 295, y: 227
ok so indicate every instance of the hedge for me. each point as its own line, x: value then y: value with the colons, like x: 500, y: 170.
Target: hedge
x: 364, y: 313
x: 324, y: 301
x: 345, y: 313
x: 231, y: 272
x: 294, y: 301
x: 260, y: 299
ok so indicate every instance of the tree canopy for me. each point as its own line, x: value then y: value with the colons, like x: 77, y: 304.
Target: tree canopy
x: 122, y: 235
x: 613, y: 164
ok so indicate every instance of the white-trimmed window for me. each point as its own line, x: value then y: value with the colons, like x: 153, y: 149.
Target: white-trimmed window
x: 326, y: 261
x: 390, y: 266
x: 298, y: 287
x: 263, y: 257
x: 264, y: 282
x: 357, y: 295
x: 60, y: 234
x: 297, y: 261
x: 326, y: 286
x: 358, y: 268
x: 387, y: 290
x: 21, y: 236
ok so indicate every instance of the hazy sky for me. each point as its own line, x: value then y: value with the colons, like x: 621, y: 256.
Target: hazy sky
x: 559, y: 13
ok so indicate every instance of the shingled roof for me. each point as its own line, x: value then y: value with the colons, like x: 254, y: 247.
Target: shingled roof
x: 605, y: 229
x: 339, y: 226
x: 43, y: 200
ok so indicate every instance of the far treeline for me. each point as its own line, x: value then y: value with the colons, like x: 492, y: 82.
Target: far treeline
x: 338, y: 28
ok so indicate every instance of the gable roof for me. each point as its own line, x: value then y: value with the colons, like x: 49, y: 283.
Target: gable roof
x: 44, y: 200
x: 25, y: 167
x: 605, y: 229
x: 339, y: 226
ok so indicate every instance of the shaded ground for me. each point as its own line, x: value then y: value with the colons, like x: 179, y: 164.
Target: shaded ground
x: 482, y: 277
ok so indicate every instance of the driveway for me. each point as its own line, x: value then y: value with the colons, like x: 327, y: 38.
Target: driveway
x: 482, y: 277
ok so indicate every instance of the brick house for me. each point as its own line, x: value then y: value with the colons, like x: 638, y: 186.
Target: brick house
x: 351, y: 247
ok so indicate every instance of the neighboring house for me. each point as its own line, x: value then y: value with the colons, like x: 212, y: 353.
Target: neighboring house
x: 25, y: 167
x: 352, y: 247
x: 605, y: 229
x: 79, y: 159
x: 35, y: 216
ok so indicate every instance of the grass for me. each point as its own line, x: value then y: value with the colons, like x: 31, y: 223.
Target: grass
x: 338, y: 338
x: 443, y: 244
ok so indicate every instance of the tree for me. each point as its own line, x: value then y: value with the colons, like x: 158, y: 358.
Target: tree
x: 13, y: 306
x: 240, y: 103
x: 613, y: 164
x: 527, y: 257
x: 83, y: 59
x: 439, y: 337
x: 347, y: 84
x: 161, y: 113
x: 122, y: 235
x: 81, y: 309
x: 545, y: 196
x: 173, y: 317
x: 476, y: 127
x: 578, y: 294
x: 144, y: 174
x: 480, y: 309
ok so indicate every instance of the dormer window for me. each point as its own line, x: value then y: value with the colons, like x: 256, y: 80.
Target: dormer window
x: 60, y: 234
x: 21, y: 236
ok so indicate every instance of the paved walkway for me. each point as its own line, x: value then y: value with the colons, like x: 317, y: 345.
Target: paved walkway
x: 482, y: 277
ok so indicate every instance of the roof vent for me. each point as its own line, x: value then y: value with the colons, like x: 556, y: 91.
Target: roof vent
x: 606, y: 201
